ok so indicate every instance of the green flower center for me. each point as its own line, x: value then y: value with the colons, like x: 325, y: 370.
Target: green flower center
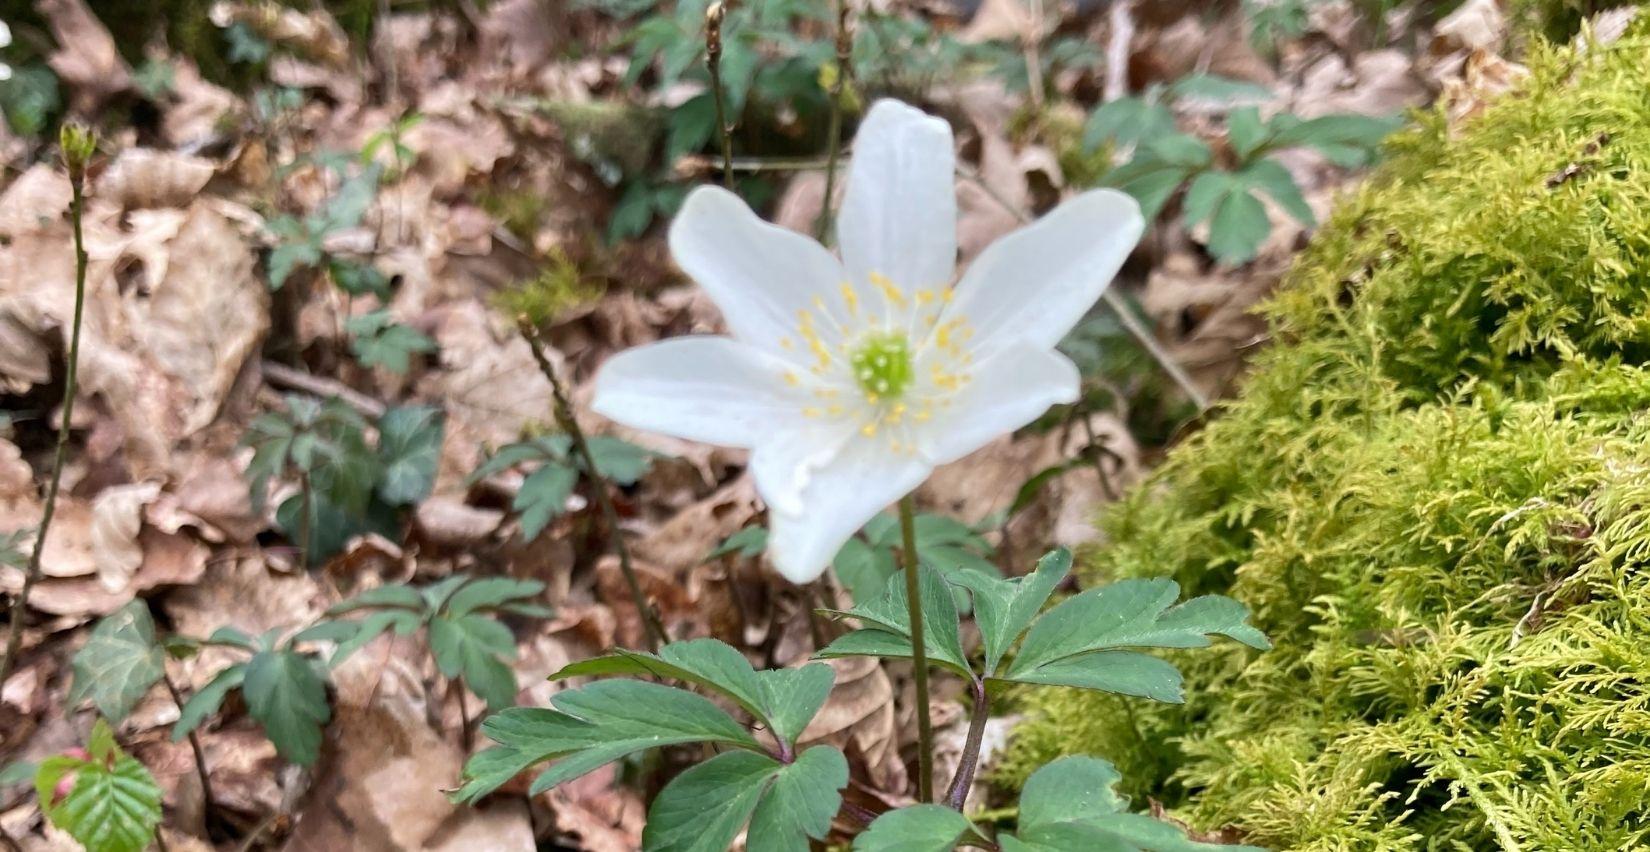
x: 882, y: 366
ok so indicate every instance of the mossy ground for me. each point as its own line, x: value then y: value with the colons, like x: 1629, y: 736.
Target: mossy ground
x: 1434, y: 491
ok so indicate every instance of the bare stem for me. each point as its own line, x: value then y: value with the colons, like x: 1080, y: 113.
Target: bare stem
x: 1131, y: 323
x: 598, y: 483
x: 19, y: 604
x: 919, y: 653
x: 970, y: 763
x: 713, y: 62
x: 464, y: 736
x: 207, y: 798
x: 305, y: 521
x: 833, y: 141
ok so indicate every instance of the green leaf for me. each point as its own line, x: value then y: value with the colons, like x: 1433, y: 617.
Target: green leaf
x: 1120, y: 672
x: 474, y: 647
x: 1347, y: 139
x: 619, y: 461
x: 592, y: 726
x: 289, y: 700
x: 378, y: 341
x: 786, y: 700
x: 1246, y: 132
x: 703, y: 809
x: 393, y: 595
x: 746, y: 543
x: 691, y: 126
x: 114, y: 805
x: 491, y: 593
x: 1239, y: 226
x: 1003, y: 609
x: 287, y: 258
x: 119, y: 663
x: 889, y: 615
x: 1214, y: 87
x: 402, y: 621
x: 1128, y: 614
x: 1270, y: 177
x: 1126, y: 121
x: 800, y: 803
x: 921, y: 828
x: 543, y: 496
x: 359, y: 279
x: 409, y: 448
x: 1072, y: 804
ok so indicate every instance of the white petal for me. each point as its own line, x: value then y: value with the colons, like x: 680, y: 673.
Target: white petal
x: 784, y: 461
x: 1007, y: 391
x: 1036, y: 283
x: 839, y: 498
x: 899, y: 214
x: 759, y: 274
x: 701, y: 388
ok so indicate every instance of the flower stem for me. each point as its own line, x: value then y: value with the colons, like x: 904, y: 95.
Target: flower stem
x: 833, y: 141
x: 31, y: 576
x: 200, y: 755
x: 598, y: 484
x: 957, y: 796
x: 713, y: 63
x: 919, y: 651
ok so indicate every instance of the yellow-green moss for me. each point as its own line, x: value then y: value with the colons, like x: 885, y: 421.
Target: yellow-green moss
x: 1434, y: 491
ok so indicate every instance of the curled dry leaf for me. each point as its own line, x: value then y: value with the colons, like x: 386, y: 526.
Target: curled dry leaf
x: 858, y: 717
x: 145, y: 177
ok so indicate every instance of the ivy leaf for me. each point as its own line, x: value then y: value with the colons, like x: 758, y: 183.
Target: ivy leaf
x: 474, y: 647
x: 289, y: 700
x: 786, y: 699
x: 119, y: 663
x: 1003, y: 609
x: 1072, y: 804
x: 114, y: 805
x: 409, y: 448
x: 921, y: 828
x: 591, y: 727
x: 889, y: 625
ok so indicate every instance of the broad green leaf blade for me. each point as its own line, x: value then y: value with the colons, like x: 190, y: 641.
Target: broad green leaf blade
x: 650, y: 712
x: 1204, y: 196
x: 794, y: 696
x: 1246, y: 132
x: 1122, y: 672
x: 889, y: 614
x: 409, y: 448
x: 620, y: 461
x: 402, y: 621
x: 286, y: 696
x: 1130, y: 614
x: 543, y: 496
x: 207, y: 701
x: 1071, y: 804
x: 1214, y: 87
x: 526, y: 735
x: 921, y: 828
x: 747, y: 543
x: 119, y: 662
x: 394, y: 595
x: 1004, y: 608
x: 800, y: 803
x: 1270, y: 177
x: 707, y: 663
x: 491, y: 593
x: 1126, y: 121
x: 1239, y: 226
x: 473, y: 647
x: 511, y: 455
x: 703, y: 809
x: 114, y: 805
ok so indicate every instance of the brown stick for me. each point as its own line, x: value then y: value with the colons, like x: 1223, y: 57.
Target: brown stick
x: 207, y: 806
x: 656, y: 635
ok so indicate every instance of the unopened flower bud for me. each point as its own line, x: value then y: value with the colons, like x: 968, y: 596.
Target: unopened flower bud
x: 78, y: 142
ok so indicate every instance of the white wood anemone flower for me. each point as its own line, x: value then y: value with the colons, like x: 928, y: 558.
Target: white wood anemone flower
x: 851, y: 380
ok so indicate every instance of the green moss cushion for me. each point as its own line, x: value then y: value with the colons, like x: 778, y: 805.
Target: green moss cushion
x: 1435, y: 493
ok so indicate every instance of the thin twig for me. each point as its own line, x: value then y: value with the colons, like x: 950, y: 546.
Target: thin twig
x: 919, y: 653
x: 1120, y: 18
x: 282, y: 376
x: 833, y: 141
x: 1113, y: 300
x: 598, y: 484
x: 19, y: 604
x: 207, y: 806
x: 713, y: 61
x: 1033, y: 55
x: 958, y: 794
